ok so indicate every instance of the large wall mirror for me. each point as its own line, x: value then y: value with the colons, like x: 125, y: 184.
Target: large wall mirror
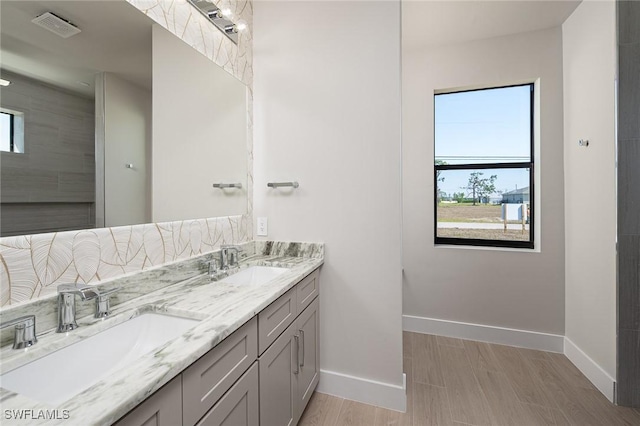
x: 119, y: 124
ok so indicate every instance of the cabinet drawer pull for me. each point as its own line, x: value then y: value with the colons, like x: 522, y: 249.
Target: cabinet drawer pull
x: 297, y: 338
x: 302, y: 337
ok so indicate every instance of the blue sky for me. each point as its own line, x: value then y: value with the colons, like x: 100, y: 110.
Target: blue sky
x: 484, y: 126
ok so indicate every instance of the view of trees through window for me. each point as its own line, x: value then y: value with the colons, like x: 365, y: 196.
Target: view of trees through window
x: 483, y: 167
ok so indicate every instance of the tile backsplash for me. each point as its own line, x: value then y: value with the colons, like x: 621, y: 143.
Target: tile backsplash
x: 32, y: 266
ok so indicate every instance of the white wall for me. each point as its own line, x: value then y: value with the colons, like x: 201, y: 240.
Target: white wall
x: 327, y: 113
x: 127, y: 135
x: 199, y: 134
x: 590, y: 188
x: 517, y: 289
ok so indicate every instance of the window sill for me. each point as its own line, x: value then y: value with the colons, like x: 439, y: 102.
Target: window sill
x: 485, y: 248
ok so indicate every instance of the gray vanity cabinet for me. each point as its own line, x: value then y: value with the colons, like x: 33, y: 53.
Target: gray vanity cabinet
x: 275, y: 318
x: 239, y: 406
x: 227, y: 386
x: 207, y: 379
x: 308, y: 327
x: 163, y: 408
x: 289, y: 370
x: 278, y: 382
x: 307, y: 290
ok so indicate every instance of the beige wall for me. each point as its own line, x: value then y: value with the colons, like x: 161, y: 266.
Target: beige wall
x: 327, y: 114
x: 590, y: 201
x: 127, y: 136
x: 518, y: 289
x: 199, y: 134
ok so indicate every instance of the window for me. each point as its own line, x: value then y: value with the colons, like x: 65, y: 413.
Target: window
x: 484, y: 166
x: 11, y: 131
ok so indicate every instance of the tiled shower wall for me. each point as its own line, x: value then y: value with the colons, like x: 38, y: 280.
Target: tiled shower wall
x: 32, y: 266
x: 628, y: 203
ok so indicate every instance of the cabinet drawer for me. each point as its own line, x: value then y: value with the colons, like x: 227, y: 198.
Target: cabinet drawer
x: 206, y: 380
x: 275, y: 319
x: 239, y: 406
x: 307, y: 290
x: 163, y: 408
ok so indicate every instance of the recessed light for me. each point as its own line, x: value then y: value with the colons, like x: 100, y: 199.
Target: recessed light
x: 4, y: 82
x: 83, y: 83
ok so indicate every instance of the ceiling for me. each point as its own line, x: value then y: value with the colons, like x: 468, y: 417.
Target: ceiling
x: 115, y: 37
x: 437, y: 23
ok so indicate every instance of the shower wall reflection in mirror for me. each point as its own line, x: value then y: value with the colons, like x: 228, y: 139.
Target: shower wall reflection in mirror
x: 115, y: 125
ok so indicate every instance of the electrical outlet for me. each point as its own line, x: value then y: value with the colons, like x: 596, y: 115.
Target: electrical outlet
x: 262, y: 227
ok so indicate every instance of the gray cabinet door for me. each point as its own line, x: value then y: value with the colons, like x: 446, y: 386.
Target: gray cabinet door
x: 163, y: 408
x: 278, y: 381
x: 307, y: 327
x: 307, y: 290
x: 239, y: 406
x: 207, y: 379
x: 275, y: 318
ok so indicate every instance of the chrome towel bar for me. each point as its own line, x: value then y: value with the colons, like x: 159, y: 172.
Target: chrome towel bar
x: 283, y: 184
x: 227, y: 185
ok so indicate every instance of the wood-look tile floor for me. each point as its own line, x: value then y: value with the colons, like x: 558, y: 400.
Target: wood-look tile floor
x: 462, y: 382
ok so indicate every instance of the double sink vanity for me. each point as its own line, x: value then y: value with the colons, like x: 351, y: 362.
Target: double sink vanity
x: 183, y: 344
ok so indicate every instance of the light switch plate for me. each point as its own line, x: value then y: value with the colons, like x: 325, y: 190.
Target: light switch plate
x: 262, y: 227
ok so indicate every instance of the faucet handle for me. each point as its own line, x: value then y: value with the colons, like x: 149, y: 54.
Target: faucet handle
x: 103, y: 303
x: 213, y: 268
x: 67, y: 288
x: 25, y: 331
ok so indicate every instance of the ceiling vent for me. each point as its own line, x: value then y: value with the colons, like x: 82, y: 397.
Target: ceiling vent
x: 56, y: 24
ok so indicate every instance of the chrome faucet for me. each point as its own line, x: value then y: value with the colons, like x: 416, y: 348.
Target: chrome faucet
x: 25, y: 331
x: 213, y: 268
x: 229, y: 255
x: 103, y: 303
x: 67, y: 304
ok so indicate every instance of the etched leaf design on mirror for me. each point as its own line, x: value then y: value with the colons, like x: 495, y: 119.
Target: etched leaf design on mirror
x: 51, y: 255
x: 86, y: 254
x: 5, y: 290
x: 135, y: 244
x: 121, y: 244
x: 154, y: 246
x: 195, y: 237
x: 180, y: 238
x: 21, y: 278
x: 166, y: 231
x: 107, y: 270
x: 213, y: 236
x: 112, y: 248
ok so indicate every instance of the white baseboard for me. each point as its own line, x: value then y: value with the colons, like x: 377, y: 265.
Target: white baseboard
x: 520, y: 338
x: 485, y: 333
x: 393, y: 397
x: 600, y: 379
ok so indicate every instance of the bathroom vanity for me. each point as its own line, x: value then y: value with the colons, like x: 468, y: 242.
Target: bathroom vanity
x: 249, y: 355
x: 264, y: 373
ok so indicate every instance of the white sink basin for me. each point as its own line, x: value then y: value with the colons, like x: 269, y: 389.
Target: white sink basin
x: 255, y: 275
x: 60, y: 375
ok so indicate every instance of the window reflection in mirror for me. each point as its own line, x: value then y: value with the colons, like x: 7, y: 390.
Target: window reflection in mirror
x: 94, y: 90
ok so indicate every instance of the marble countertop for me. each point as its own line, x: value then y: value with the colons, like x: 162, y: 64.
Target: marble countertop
x: 221, y: 307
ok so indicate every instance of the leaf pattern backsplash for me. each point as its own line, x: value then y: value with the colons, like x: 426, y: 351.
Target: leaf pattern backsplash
x: 33, y: 266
